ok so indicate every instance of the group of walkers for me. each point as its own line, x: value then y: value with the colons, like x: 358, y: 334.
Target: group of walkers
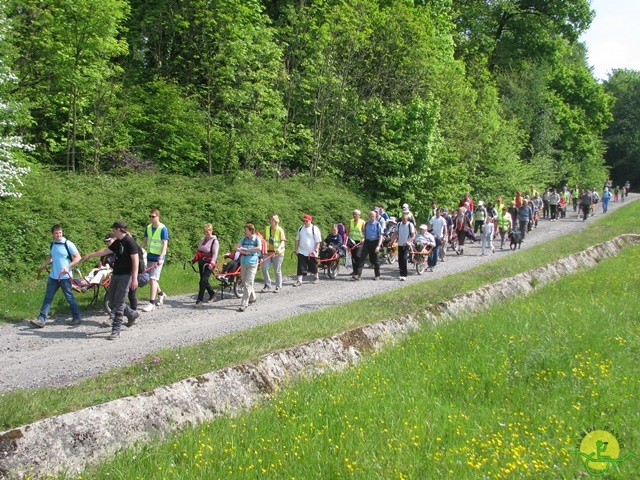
x: 131, y: 266
x: 123, y: 258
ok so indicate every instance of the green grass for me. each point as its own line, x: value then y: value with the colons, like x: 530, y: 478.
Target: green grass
x: 504, y: 394
x: 25, y: 406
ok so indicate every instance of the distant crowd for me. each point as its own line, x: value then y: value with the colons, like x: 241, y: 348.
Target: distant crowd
x: 125, y: 265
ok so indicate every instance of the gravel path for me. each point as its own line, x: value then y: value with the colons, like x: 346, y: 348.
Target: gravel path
x: 60, y: 354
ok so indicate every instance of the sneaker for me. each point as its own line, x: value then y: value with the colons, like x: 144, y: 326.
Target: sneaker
x: 297, y: 284
x: 242, y: 308
x: 376, y: 278
x: 131, y: 319
x: 161, y: 297
x: 36, y: 322
x: 252, y: 301
x: 277, y: 290
x: 402, y: 279
x: 198, y: 303
x: 355, y: 278
x: 266, y: 288
x: 75, y: 321
x: 211, y: 298
x: 316, y: 280
x: 114, y: 336
x: 149, y: 308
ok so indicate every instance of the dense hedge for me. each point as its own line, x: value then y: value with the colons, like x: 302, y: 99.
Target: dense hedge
x: 86, y: 206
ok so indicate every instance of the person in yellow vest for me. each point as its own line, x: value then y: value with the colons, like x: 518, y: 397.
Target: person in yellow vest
x: 155, y: 240
x: 276, y: 239
x: 355, y: 240
x: 505, y: 223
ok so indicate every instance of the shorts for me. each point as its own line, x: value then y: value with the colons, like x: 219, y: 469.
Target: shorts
x: 155, y: 270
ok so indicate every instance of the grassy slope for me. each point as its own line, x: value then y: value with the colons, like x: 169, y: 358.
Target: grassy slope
x: 504, y: 394
x: 21, y: 407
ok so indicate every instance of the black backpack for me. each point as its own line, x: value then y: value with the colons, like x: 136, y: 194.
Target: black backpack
x: 66, y: 246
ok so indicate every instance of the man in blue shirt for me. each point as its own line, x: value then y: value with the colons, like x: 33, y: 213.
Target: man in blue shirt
x: 63, y: 256
x: 372, y: 244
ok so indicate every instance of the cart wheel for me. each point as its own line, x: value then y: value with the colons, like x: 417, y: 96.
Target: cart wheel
x: 421, y: 264
x: 238, y: 287
x: 106, y: 304
x: 392, y: 255
x: 333, y: 268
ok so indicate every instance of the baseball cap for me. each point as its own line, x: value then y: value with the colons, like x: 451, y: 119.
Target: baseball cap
x: 307, y: 217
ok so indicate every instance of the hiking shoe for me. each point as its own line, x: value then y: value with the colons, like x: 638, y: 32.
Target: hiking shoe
x: 211, y: 298
x: 297, y: 284
x: 36, y: 322
x: 266, y: 288
x: 198, y: 303
x: 149, y: 308
x: 131, y: 319
x: 161, y: 297
x: 114, y: 336
x: 242, y: 308
x: 355, y: 277
x: 75, y: 321
x: 277, y: 290
x: 316, y: 280
x: 376, y: 278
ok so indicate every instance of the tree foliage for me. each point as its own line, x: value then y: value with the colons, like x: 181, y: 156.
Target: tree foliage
x: 413, y: 99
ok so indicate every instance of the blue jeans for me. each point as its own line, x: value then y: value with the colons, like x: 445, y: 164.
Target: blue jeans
x: 432, y: 261
x: 52, y: 287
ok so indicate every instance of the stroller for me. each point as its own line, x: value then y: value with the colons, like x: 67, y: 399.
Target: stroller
x: 229, y: 275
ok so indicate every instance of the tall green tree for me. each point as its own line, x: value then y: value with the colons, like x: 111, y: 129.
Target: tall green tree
x: 622, y: 137
x: 224, y: 55
x: 65, y: 57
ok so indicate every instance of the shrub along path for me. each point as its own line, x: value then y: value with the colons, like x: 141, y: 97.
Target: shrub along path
x: 60, y: 354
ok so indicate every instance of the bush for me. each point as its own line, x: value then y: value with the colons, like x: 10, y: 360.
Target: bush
x: 86, y: 206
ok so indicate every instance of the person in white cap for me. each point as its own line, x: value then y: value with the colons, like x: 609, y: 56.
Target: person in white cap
x: 307, y: 247
x: 407, y: 210
x: 479, y: 216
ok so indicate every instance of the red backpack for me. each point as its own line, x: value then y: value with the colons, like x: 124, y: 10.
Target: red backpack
x: 263, y: 244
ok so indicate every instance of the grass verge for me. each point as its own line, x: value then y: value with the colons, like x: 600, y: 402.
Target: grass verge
x: 167, y: 366
x: 505, y: 394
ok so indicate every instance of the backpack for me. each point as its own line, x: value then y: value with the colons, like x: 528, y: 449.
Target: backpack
x: 142, y: 259
x: 263, y: 244
x: 313, y: 229
x: 66, y: 246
